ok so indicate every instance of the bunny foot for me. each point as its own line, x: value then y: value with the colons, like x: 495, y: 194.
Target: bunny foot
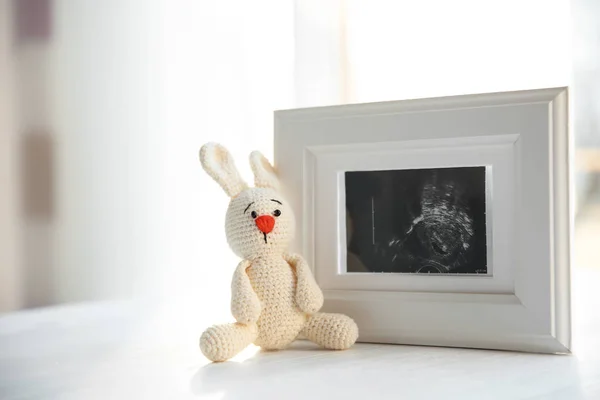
x: 332, y: 331
x: 221, y: 342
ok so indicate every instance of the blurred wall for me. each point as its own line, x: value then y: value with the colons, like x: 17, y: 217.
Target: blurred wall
x: 586, y: 96
x: 410, y: 49
x: 32, y: 37
x: 112, y: 101
x: 586, y: 69
x: 10, y: 274
x: 105, y: 87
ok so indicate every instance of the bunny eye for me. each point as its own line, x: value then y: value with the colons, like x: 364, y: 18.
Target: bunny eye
x: 254, y: 214
x: 277, y: 213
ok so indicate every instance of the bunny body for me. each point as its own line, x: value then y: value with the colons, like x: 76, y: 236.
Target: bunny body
x: 274, y: 297
x: 281, y: 320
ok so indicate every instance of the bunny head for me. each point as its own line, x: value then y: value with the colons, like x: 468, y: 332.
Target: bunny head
x: 259, y: 221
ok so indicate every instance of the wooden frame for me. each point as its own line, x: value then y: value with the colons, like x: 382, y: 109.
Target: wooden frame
x: 524, y: 304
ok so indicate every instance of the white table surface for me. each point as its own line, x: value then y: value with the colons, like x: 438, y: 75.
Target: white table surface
x: 127, y: 350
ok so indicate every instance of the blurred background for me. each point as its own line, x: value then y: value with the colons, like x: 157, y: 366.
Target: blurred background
x: 104, y: 105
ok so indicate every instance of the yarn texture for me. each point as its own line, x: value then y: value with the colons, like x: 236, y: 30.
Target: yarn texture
x: 274, y: 296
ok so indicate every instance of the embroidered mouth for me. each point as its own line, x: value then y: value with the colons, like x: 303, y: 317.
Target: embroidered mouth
x: 265, y: 235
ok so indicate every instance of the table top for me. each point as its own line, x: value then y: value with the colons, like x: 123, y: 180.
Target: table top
x: 145, y: 350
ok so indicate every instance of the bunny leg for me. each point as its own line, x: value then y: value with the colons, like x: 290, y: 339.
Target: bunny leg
x: 221, y: 342
x: 332, y: 331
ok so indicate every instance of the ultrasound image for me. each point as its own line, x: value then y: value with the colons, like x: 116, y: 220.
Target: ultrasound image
x: 422, y: 221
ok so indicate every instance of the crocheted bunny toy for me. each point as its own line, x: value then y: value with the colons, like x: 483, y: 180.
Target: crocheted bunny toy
x: 274, y: 297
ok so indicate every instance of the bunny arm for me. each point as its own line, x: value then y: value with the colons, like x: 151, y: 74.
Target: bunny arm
x: 308, y: 294
x: 245, y: 305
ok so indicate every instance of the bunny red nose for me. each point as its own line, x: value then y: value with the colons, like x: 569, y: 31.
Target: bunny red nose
x: 265, y: 223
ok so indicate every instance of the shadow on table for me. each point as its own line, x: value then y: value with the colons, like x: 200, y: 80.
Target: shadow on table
x: 262, y: 374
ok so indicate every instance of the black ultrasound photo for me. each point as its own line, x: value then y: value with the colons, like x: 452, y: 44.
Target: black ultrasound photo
x: 422, y: 221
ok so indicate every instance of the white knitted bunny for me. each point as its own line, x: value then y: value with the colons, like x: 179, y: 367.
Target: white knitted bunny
x: 274, y: 296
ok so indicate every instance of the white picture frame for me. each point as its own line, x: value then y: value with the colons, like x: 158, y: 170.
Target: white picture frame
x: 522, y: 138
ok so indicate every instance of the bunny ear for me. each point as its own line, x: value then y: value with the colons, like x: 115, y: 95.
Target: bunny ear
x: 218, y: 163
x: 264, y: 173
